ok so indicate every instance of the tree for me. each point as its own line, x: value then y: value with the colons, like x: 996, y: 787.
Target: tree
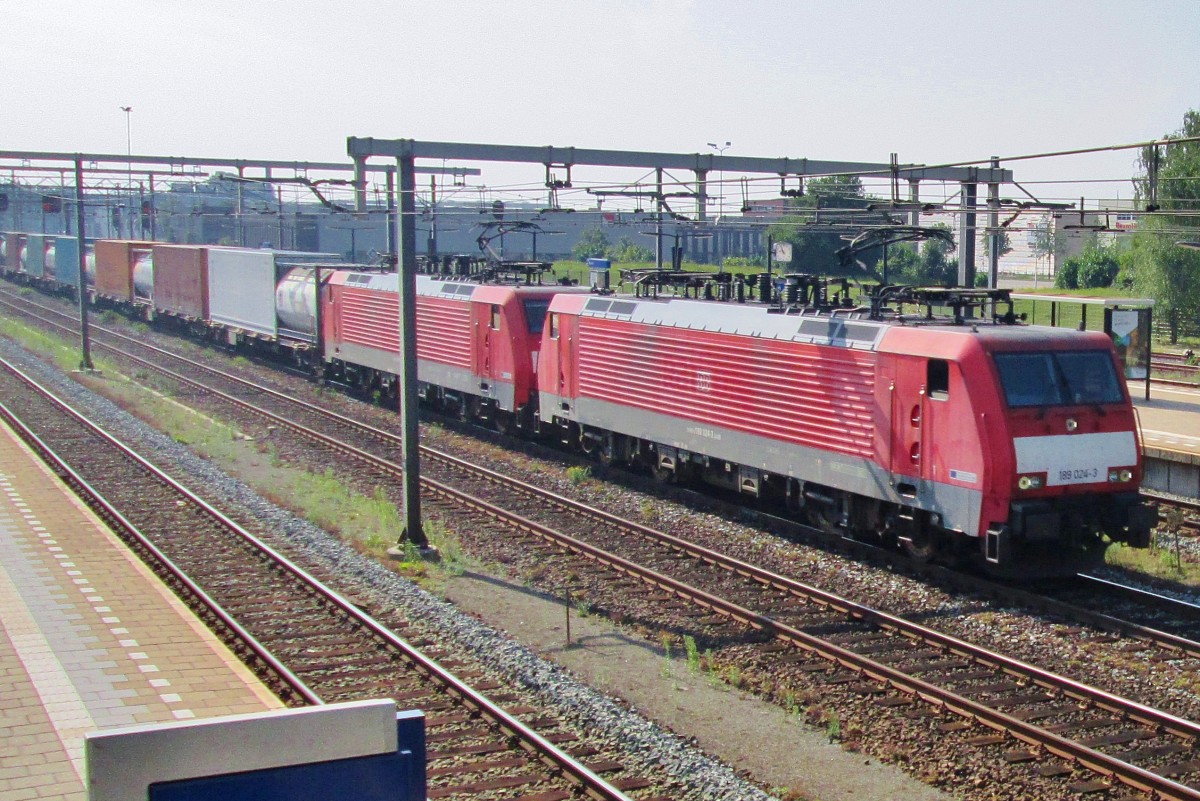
x: 929, y: 266
x: 626, y: 250
x: 1168, y: 273
x: 1043, y: 240
x: 816, y: 237
x: 937, y: 268
x: 592, y: 244
x: 904, y: 265
x: 985, y: 241
x: 834, y: 192
x: 1160, y: 267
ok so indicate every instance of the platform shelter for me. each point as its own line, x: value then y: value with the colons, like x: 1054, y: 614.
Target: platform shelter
x: 1126, y: 320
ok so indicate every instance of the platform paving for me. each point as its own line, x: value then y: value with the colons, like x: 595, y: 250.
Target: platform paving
x: 89, y: 638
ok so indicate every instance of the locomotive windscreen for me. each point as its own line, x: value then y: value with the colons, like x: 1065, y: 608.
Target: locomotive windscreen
x: 535, y: 314
x: 1058, y: 378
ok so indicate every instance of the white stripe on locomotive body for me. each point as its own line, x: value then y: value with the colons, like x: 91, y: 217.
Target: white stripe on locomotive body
x: 1075, y: 458
x: 958, y: 506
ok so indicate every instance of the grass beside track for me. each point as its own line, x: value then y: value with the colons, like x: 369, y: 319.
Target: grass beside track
x: 369, y: 523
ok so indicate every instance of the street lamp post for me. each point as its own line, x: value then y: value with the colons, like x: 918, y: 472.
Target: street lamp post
x: 128, y: 164
x: 720, y: 178
x: 720, y: 190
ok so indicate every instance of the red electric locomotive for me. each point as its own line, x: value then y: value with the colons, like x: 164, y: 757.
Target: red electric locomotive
x: 1010, y: 445
x: 477, y: 344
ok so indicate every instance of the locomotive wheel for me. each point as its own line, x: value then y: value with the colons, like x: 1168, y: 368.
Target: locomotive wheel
x: 505, y: 422
x: 920, y: 547
x: 607, y: 453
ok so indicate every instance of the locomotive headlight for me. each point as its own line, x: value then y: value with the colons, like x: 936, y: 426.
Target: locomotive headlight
x: 1122, y: 476
x: 1127, y: 475
x: 1029, y: 482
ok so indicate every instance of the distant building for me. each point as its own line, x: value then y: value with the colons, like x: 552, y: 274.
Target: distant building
x: 1074, y: 231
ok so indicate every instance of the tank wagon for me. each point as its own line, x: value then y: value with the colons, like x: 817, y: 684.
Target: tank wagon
x: 12, y: 252
x: 125, y: 274
x: 266, y: 296
x: 264, y: 299
x: 46, y: 260
x: 1012, y: 446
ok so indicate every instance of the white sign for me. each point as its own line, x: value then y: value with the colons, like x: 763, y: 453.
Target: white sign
x: 1075, y: 458
x: 1124, y: 323
x: 781, y: 251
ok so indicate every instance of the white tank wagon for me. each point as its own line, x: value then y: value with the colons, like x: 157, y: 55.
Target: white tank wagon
x: 264, y: 296
x: 143, y: 276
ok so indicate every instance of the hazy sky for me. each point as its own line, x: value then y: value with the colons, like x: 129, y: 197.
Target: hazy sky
x: 934, y: 82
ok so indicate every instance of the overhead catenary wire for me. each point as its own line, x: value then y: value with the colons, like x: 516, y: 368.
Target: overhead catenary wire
x: 581, y: 196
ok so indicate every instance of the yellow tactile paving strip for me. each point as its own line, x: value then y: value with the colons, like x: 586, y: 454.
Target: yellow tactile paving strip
x: 89, y: 638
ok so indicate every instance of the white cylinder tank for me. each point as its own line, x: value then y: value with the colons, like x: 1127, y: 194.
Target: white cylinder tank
x: 296, y: 300
x: 143, y: 274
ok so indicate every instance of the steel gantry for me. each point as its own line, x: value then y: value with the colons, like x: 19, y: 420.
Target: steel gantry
x: 560, y: 160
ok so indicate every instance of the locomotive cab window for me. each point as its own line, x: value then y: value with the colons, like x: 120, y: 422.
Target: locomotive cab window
x: 535, y: 314
x: 552, y: 319
x: 495, y: 323
x: 937, y: 379
x: 1059, y: 378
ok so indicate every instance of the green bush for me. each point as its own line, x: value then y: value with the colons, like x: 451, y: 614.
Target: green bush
x: 626, y: 251
x: 736, y: 262
x: 1068, y: 275
x: 592, y: 244
x: 1095, y: 268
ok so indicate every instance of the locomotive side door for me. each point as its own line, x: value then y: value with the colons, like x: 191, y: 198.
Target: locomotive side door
x: 909, y: 399
x: 559, y: 358
x: 485, y: 324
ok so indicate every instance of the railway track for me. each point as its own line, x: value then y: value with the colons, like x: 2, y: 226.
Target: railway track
x: 1181, y: 609
x: 1181, y: 513
x: 310, y: 644
x: 1178, y: 368
x: 855, y: 645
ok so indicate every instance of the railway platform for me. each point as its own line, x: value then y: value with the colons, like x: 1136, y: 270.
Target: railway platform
x: 1170, y: 424
x: 90, y: 639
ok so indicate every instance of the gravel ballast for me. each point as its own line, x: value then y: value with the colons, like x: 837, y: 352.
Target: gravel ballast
x: 651, y: 750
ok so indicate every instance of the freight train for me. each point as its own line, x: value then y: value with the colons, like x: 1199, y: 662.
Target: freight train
x: 923, y: 419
